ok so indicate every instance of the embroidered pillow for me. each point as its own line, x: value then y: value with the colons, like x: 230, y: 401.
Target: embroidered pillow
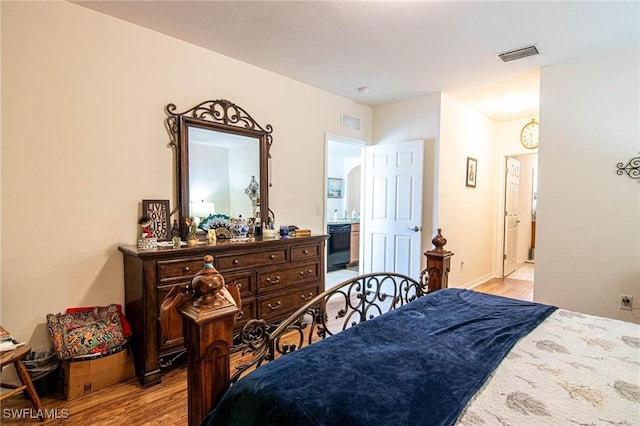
x: 81, y: 333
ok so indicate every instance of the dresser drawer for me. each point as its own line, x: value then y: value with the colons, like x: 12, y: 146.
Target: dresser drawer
x: 246, y: 282
x: 247, y: 313
x: 287, y: 276
x: 169, y: 270
x: 285, y: 303
x: 307, y: 251
x: 248, y: 260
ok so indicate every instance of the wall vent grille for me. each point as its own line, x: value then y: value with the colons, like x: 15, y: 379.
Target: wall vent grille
x: 350, y: 122
x: 516, y: 54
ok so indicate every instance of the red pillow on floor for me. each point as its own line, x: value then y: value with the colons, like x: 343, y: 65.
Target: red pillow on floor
x: 126, y: 327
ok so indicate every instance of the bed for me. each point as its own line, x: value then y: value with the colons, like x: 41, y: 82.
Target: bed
x: 379, y: 350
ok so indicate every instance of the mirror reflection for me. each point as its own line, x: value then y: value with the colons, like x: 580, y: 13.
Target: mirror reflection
x: 224, y: 170
x: 222, y: 166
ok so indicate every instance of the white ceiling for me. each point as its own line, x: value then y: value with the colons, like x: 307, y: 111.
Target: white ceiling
x: 398, y: 49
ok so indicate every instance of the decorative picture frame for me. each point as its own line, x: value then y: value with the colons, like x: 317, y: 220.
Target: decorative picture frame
x: 335, y: 187
x: 472, y: 172
x: 157, y: 211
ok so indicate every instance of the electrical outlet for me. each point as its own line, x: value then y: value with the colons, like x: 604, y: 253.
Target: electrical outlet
x: 626, y: 302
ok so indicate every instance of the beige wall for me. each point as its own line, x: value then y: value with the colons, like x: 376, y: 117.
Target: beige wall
x: 467, y: 214
x: 588, y: 216
x: 83, y: 142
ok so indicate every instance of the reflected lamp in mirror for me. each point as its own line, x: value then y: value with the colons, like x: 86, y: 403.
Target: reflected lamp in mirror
x: 202, y: 209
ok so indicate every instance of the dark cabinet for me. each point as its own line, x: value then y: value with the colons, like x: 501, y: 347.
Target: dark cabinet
x: 275, y: 277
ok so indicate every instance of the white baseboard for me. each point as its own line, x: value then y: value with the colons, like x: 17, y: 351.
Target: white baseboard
x: 478, y: 281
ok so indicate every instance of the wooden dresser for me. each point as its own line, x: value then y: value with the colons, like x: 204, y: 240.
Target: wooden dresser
x: 275, y: 278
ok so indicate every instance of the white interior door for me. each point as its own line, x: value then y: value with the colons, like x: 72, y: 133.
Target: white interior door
x: 392, y: 215
x: 512, y: 191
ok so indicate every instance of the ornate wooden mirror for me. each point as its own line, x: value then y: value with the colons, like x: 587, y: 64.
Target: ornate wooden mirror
x: 222, y: 161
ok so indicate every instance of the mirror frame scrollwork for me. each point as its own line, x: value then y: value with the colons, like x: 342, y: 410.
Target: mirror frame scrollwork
x: 223, y: 116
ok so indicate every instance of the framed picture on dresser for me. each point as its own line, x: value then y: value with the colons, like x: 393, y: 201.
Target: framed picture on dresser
x: 157, y: 211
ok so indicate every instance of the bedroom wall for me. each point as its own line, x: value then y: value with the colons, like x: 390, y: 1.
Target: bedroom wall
x: 83, y: 142
x: 588, y: 216
x: 466, y: 214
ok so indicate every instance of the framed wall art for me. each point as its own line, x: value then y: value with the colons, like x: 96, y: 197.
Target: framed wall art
x: 334, y: 188
x: 472, y: 171
x: 157, y: 211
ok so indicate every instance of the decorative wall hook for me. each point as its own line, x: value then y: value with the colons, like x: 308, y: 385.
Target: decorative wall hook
x: 632, y: 168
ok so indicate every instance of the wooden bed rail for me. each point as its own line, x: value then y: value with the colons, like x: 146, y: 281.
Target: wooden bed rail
x: 209, y: 317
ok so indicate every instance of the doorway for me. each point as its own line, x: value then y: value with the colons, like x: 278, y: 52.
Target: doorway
x: 519, y: 228
x: 343, y: 207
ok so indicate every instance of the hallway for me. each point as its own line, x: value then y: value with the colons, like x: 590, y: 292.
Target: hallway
x: 518, y: 285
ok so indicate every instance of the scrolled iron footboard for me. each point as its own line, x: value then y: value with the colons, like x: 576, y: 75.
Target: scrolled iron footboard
x: 344, y: 305
x: 211, y: 344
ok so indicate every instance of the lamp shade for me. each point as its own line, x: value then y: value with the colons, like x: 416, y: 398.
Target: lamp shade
x: 202, y: 208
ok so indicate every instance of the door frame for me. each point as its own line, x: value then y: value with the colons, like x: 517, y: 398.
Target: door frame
x: 499, y: 247
x: 349, y: 141
x: 507, y: 248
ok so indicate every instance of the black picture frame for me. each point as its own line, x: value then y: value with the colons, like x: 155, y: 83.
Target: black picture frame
x: 472, y: 172
x: 335, y: 188
x: 157, y: 211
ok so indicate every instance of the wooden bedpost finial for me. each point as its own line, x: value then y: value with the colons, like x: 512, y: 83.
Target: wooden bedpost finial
x: 439, y: 241
x: 436, y: 275
x: 208, y: 334
x: 208, y: 285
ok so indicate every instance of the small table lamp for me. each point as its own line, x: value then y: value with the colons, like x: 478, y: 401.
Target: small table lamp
x: 202, y: 209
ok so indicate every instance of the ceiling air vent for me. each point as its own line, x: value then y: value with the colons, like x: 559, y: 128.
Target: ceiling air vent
x: 513, y: 55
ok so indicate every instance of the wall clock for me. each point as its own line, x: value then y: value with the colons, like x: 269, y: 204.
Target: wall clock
x: 529, y: 134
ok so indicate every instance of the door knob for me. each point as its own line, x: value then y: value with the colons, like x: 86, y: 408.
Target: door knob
x: 414, y: 229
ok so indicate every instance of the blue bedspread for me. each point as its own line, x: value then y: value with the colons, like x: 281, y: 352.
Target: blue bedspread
x: 417, y: 365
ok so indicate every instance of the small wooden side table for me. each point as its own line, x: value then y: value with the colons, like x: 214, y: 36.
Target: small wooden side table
x: 15, y: 357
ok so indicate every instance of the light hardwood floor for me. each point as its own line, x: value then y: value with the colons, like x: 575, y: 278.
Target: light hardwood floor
x: 129, y: 404
x: 518, y: 285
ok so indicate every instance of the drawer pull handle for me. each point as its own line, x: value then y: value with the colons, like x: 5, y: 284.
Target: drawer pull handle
x: 273, y: 308
x: 236, y: 261
x: 272, y: 256
x: 240, y: 315
x: 186, y: 269
x: 303, y: 297
x: 305, y: 251
x: 277, y: 280
x: 309, y: 272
